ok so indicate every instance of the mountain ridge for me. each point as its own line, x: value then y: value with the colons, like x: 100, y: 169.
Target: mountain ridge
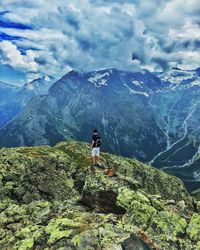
x: 14, y: 105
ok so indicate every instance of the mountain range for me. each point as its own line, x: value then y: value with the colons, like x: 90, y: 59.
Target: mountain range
x: 13, y: 98
x: 149, y: 116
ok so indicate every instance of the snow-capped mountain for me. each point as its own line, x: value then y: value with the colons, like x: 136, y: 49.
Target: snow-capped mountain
x: 152, y: 117
x: 136, y: 83
x: 13, y: 104
x: 39, y: 86
x: 181, y: 78
x: 114, y: 101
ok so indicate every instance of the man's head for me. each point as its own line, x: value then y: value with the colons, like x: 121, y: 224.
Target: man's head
x: 95, y: 131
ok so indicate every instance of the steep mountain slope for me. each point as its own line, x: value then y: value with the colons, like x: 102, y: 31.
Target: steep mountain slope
x: 51, y: 198
x: 176, y: 112
x: 114, y: 101
x: 15, y: 103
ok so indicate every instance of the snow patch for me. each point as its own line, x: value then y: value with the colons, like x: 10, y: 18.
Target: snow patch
x: 131, y: 91
x: 137, y: 83
x: 30, y: 86
x: 99, y: 79
x: 47, y: 78
x: 177, y: 76
x: 195, y: 82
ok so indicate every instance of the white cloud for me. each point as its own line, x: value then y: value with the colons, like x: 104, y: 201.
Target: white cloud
x: 190, y: 59
x: 9, y: 54
x: 97, y: 34
x: 189, y: 31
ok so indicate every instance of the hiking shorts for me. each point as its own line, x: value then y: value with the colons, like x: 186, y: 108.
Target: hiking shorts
x: 95, y: 151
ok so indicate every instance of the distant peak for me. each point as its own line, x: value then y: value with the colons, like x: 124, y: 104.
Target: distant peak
x: 47, y: 78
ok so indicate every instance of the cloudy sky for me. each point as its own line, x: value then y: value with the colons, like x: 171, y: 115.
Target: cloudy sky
x: 52, y: 37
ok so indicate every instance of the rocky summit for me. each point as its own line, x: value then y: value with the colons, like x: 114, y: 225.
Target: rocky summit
x: 52, y: 198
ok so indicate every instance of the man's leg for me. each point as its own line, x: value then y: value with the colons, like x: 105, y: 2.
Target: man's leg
x: 93, y: 156
x: 97, y: 155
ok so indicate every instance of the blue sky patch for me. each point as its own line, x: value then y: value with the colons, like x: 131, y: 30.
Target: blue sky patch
x: 12, y: 76
x: 4, y: 12
x: 8, y: 24
x: 4, y: 36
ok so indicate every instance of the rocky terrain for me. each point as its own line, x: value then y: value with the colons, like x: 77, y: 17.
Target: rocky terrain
x: 52, y: 198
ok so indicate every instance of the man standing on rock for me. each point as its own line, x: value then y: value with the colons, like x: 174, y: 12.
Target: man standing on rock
x: 96, y: 143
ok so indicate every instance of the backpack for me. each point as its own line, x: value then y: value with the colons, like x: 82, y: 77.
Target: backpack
x: 98, y: 142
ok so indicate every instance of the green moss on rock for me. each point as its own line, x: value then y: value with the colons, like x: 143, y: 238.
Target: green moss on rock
x: 193, y: 229
x: 138, y: 207
x: 26, y: 244
x: 168, y: 224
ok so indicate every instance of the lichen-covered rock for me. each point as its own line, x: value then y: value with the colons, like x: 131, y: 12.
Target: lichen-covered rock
x: 138, y: 207
x: 4, y: 203
x: 127, y: 196
x: 168, y: 224
x: 59, y: 227
x: 26, y: 244
x: 51, y: 198
x: 193, y: 229
x: 40, y: 211
x: 87, y: 240
x: 100, y: 193
x: 197, y: 247
x: 152, y: 216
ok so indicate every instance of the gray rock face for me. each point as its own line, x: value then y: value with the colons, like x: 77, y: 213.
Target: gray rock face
x: 134, y: 243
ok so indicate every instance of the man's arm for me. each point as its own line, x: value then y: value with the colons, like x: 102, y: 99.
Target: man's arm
x: 92, y: 144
